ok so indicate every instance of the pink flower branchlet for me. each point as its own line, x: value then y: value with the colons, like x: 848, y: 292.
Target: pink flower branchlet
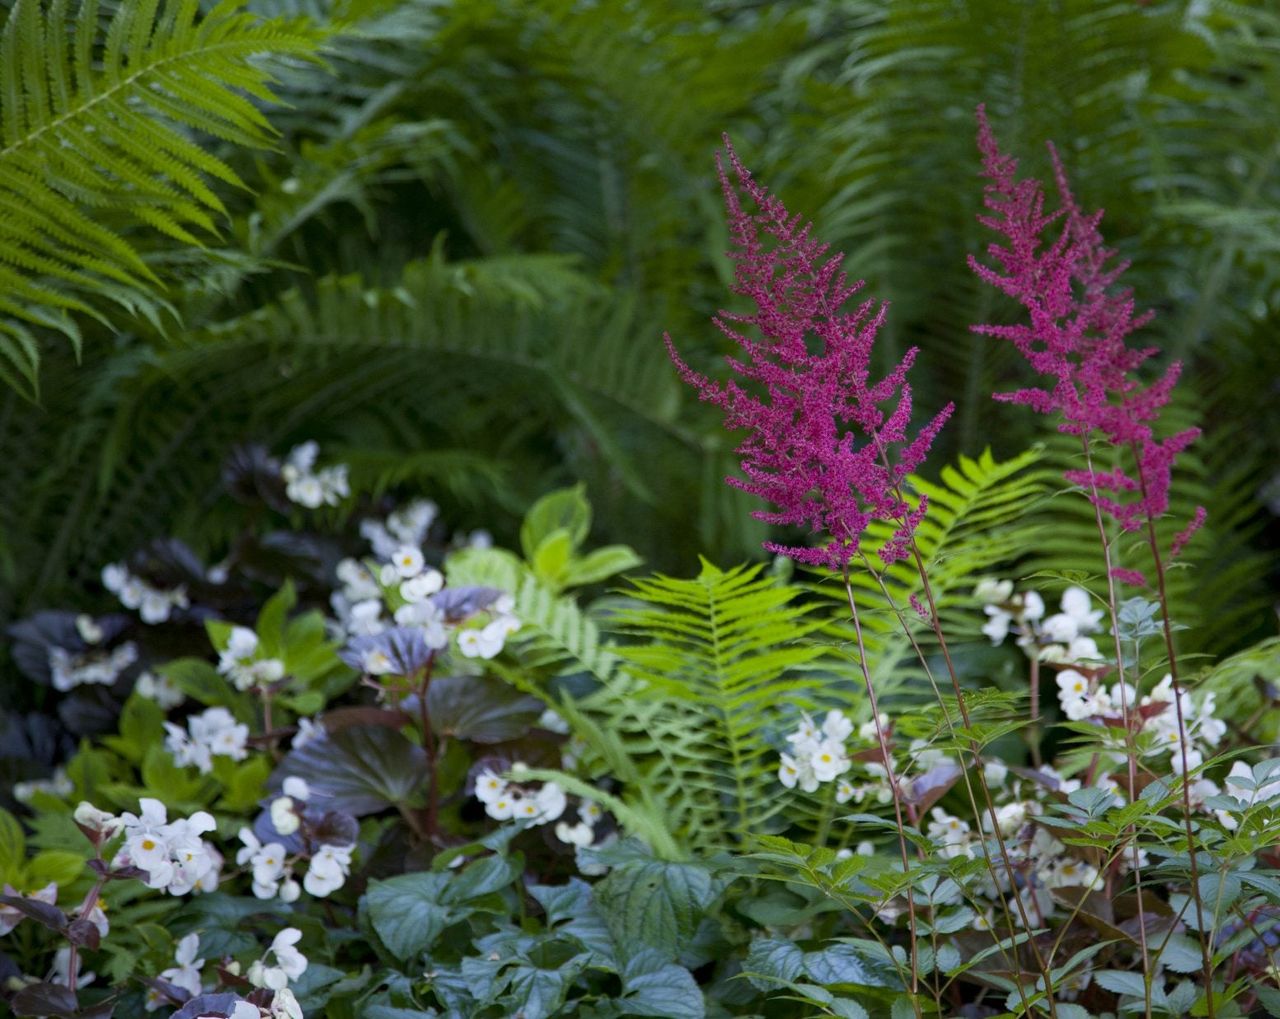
x: 1076, y: 334
x: 819, y: 447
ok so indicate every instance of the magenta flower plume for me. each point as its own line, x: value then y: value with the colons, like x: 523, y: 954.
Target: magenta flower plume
x: 819, y: 446
x: 1077, y: 334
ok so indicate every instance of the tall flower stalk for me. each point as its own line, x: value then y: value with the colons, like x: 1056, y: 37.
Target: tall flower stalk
x: 828, y: 448
x: 1076, y: 334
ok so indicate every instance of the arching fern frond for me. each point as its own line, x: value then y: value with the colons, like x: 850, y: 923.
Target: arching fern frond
x: 710, y: 663
x: 98, y: 136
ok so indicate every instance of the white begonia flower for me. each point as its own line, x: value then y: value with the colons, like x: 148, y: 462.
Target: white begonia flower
x: 218, y: 729
x: 268, y: 867
x: 290, y: 963
x: 422, y: 586
x: 1032, y: 606
x: 828, y: 760
x: 997, y: 626
x: 865, y: 848
x: 950, y: 832
x: 172, y: 854
x: 187, y: 973
x: 794, y: 771
x: 1071, y: 873
x: 89, y: 630
x: 376, y: 662
x: 1075, y: 695
x: 1076, y: 619
x: 551, y: 802
x: 806, y: 736
x: 504, y: 806
x: 357, y: 581
x: 60, y: 971
x: 284, y: 1005
x: 290, y: 890
x: 284, y: 818
x: 836, y: 726
x: 365, y: 619
x: 96, y: 667
x: 551, y: 720
x: 58, y: 785
x: 844, y: 791
x: 88, y: 816
x: 328, y: 870
x: 580, y: 834
x: 995, y: 772
x: 484, y: 643
x: 114, y: 577
x: 308, y: 730
x: 591, y: 813
x: 160, y: 689
x: 297, y: 788
x: 990, y: 590
x: 186, y: 752
x: 489, y: 786
x: 408, y: 561
x: 243, y: 1010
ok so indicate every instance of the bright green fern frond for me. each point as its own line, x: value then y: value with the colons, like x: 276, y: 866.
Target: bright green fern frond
x: 711, y: 666
x: 99, y: 135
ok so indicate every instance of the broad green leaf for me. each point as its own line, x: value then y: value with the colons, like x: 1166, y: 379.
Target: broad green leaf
x: 655, y: 904
x: 566, y: 509
x: 408, y: 912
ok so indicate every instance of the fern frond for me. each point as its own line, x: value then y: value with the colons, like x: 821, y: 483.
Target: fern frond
x: 94, y: 129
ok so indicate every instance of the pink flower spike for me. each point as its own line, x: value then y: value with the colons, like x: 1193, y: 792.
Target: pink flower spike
x: 1076, y: 334
x: 1184, y: 536
x: 820, y: 448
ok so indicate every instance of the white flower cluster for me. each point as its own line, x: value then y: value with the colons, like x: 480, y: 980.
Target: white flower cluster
x: 584, y: 832
x: 152, y: 604
x: 817, y: 754
x: 309, y: 487
x: 272, y: 870
x: 160, y: 689
x: 409, y: 584
x: 503, y: 801
x: 213, y: 733
x: 240, y: 663
x: 1040, y: 863
x: 1061, y: 638
x: 172, y: 853
x: 96, y: 665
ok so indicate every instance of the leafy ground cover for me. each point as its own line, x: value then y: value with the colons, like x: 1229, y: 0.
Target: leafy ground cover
x: 969, y: 740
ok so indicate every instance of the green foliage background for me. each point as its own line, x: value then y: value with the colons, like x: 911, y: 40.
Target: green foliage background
x: 448, y: 246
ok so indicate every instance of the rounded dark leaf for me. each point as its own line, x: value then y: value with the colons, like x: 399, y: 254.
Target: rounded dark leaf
x: 89, y: 710
x: 45, y: 1000
x: 480, y: 709
x: 41, y: 912
x: 405, y: 647
x: 336, y: 828
x: 84, y: 933
x: 360, y: 770
x: 251, y: 474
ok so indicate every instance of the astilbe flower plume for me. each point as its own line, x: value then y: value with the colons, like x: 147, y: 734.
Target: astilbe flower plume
x: 819, y: 446
x: 1076, y: 334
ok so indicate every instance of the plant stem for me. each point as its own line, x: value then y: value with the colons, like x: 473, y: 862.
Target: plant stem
x: 73, y: 956
x: 976, y: 753
x: 1131, y: 753
x: 1153, y: 542
x: 893, y: 788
